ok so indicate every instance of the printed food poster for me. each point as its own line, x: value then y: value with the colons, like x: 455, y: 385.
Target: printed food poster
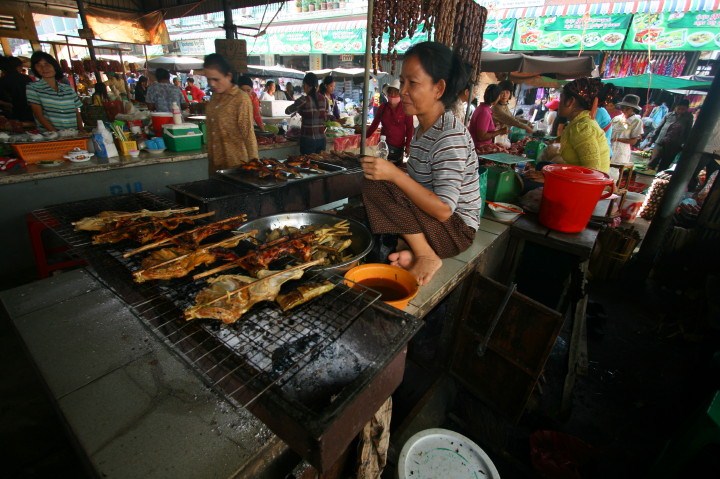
x: 574, y: 32
x: 674, y: 31
x: 498, y: 35
x: 338, y: 42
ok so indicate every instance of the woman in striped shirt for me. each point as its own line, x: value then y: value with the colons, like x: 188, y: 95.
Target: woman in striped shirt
x: 55, y: 105
x: 435, y: 206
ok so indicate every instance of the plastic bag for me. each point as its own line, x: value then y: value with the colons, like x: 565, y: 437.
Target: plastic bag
x: 503, y: 140
x: 295, y: 120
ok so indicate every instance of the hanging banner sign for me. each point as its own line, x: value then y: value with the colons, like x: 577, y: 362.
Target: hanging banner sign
x: 295, y: 43
x: 338, y: 42
x: 573, y: 32
x: 405, y: 44
x: 498, y: 35
x: 674, y: 31
x: 259, y: 45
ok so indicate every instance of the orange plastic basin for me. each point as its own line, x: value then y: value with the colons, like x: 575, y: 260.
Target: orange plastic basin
x: 395, y: 285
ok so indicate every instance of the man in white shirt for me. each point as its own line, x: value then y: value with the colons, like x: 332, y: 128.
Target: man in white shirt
x: 269, y: 93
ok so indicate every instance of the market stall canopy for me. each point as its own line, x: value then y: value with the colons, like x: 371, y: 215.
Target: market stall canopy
x: 125, y: 58
x: 175, y: 63
x: 659, y: 82
x: 567, y: 67
x: 538, y: 81
x: 274, y: 72
x: 348, y: 73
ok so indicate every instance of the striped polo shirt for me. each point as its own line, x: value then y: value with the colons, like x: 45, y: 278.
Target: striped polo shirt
x: 60, y: 107
x: 443, y: 160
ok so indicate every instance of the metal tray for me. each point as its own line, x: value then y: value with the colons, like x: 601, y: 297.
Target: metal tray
x: 362, y: 239
x: 250, y: 179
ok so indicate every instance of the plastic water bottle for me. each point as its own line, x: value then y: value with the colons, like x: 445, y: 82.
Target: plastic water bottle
x: 177, y: 115
x: 382, y: 149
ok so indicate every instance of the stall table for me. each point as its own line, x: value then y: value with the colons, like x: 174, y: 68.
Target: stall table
x: 580, y: 245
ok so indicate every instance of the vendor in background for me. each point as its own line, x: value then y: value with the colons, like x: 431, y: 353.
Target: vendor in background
x: 100, y: 96
x: 583, y: 142
x: 627, y: 128
x: 501, y: 110
x: 196, y: 93
x: 313, y: 110
x: 327, y: 88
x: 269, y: 93
x: 670, y: 136
x: 116, y: 85
x: 161, y: 95
x: 397, y: 127
x: 178, y: 84
x: 13, y: 84
x: 460, y: 108
x: 230, y: 136
x: 55, y: 105
x: 289, y: 92
x: 538, y: 110
x: 141, y: 89
x: 602, y: 115
x: 611, y: 108
x: 246, y: 84
x: 435, y: 206
x: 482, y: 127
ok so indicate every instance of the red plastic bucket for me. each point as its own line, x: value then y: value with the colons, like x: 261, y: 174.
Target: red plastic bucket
x: 158, y: 120
x: 570, y: 195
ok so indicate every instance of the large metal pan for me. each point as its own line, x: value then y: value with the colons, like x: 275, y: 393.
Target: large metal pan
x: 362, y: 238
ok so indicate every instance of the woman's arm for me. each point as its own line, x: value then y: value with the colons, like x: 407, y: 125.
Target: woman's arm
x: 295, y: 106
x: 41, y: 118
x: 375, y: 123
x: 504, y: 118
x: 378, y: 169
x: 245, y: 128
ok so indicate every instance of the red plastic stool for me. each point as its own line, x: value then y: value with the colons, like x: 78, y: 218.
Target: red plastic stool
x: 41, y: 253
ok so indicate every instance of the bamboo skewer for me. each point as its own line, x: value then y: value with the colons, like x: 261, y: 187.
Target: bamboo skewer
x: 170, y: 239
x: 100, y: 236
x: 140, y: 214
x: 247, y: 285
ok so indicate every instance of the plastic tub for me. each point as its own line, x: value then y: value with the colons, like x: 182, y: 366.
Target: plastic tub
x: 631, y: 206
x: 396, y: 286
x: 159, y: 119
x: 570, y: 195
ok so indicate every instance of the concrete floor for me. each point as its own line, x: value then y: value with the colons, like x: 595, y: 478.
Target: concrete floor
x: 651, y: 366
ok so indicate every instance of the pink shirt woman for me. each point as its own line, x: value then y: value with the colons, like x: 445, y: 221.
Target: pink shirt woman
x: 482, y: 127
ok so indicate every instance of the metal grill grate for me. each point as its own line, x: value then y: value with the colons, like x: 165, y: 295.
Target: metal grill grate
x: 264, y: 350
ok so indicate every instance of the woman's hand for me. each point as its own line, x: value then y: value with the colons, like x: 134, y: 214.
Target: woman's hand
x: 534, y: 175
x: 529, y: 128
x: 378, y: 169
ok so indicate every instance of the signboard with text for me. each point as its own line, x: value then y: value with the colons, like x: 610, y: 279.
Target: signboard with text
x: 498, y: 35
x: 674, y: 31
x: 573, y: 32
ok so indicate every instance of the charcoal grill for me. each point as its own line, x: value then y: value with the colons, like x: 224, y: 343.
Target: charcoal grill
x: 314, y: 375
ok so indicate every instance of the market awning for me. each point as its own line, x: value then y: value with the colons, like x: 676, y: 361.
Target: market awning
x: 175, y: 63
x: 659, y: 82
x: 568, y: 67
x: 274, y: 72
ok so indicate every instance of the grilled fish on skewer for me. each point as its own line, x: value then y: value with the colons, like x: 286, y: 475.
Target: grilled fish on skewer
x: 143, y: 230
x: 302, y: 294
x: 193, y: 238
x: 96, y: 223
x: 180, y: 263
x: 231, y: 296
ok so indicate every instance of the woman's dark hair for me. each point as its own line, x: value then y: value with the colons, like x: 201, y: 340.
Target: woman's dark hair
x: 219, y: 63
x: 101, y: 90
x: 311, y: 81
x: 584, y: 90
x: 441, y: 63
x: 327, y: 81
x: 162, y: 74
x: 607, y: 94
x: 682, y: 102
x: 268, y: 84
x: 10, y: 64
x: 506, y: 85
x: 492, y: 93
x: 244, y: 80
x: 38, y: 56
x: 142, y: 79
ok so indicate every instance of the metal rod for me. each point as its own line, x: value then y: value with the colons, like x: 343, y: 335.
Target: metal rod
x: 366, y: 81
x: 482, y: 348
x: 228, y: 26
x: 690, y: 158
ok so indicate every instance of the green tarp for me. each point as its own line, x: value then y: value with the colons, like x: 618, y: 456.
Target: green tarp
x: 660, y: 82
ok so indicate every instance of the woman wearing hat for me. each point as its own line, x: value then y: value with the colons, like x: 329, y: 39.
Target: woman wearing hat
x: 396, y: 125
x: 627, y: 129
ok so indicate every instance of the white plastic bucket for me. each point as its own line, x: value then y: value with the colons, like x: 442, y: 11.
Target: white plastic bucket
x: 442, y: 453
x: 602, y: 208
x: 631, y: 206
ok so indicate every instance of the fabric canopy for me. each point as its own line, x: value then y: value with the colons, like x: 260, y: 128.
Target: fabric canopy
x: 175, y: 63
x: 274, y: 72
x: 567, y: 67
x: 660, y: 82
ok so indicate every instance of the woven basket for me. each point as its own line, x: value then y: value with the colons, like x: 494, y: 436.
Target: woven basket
x: 47, y: 150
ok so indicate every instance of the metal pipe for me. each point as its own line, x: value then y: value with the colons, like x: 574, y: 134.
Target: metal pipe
x: 366, y: 82
x: 230, y: 33
x: 91, y: 48
x: 72, y: 70
x: 699, y: 137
